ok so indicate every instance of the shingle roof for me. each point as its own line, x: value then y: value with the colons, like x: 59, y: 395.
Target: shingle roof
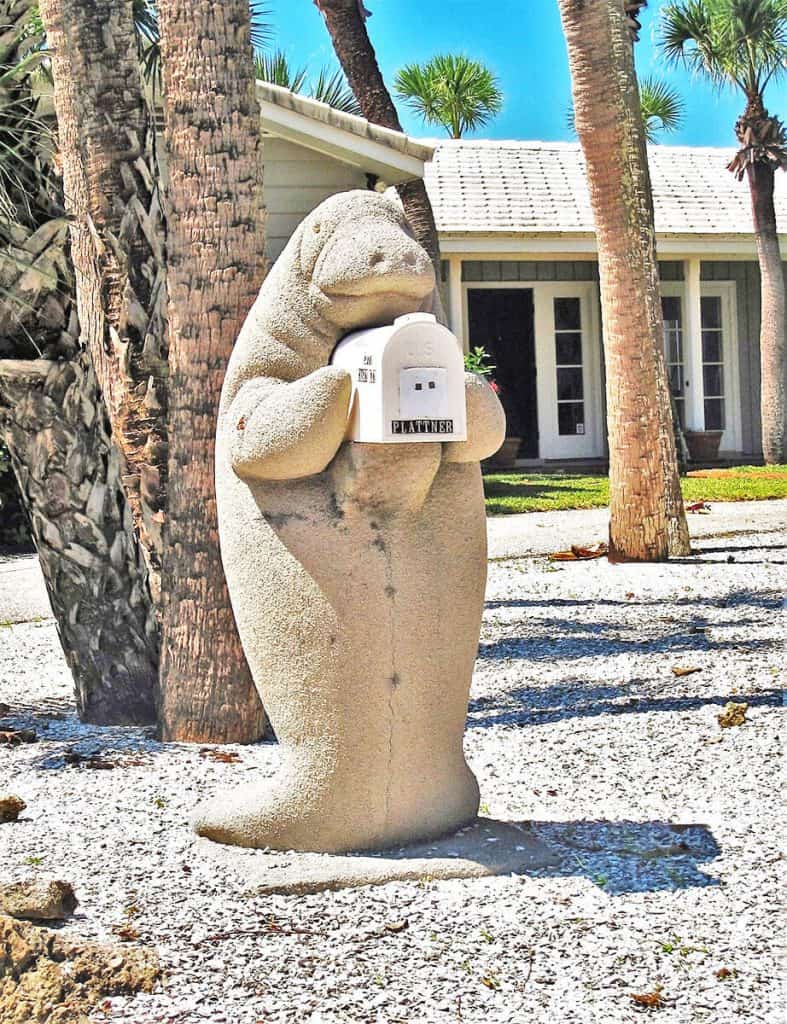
x: 494, y: 187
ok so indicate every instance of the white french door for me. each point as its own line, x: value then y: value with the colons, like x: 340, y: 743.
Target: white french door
x: 703, y: 371
x: 569, y: 371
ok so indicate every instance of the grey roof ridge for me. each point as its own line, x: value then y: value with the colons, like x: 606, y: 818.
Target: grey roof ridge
x: 562, y: 144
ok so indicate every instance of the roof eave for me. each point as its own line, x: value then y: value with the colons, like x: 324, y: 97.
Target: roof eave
x: 392, y: 156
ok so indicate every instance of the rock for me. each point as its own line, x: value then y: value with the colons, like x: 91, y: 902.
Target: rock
x: 38, y: 900
x: 10, y: 807
x: 46, y: 979
x: 4, y: 708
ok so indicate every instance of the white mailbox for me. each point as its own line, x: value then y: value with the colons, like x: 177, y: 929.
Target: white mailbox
x: 408, y: 382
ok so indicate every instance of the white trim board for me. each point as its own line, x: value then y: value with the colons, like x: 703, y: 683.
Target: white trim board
x: 534, y: 247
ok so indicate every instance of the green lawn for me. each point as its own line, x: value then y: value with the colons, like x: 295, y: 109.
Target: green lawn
x: 507, y: 493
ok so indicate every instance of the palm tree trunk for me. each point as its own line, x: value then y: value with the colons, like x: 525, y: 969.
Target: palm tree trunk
x: 215, y: 266
x: 773, y: 367
x: 346, y: 24
x: 647, y: 522
x: 69, y: 474
x: 117, y: 244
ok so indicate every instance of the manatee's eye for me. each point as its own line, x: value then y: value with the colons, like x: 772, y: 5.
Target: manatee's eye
x: 316, y: 228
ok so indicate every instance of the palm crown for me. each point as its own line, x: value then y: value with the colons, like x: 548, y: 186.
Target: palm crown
x: 451, y: 90
x: 739, y: 43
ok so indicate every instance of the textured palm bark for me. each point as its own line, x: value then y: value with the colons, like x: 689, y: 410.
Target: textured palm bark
x: 117, y: 243
x: 647, y: 521
x: 54, y: 424
x: 215, y: 268
x: 773, y: 366
x: 346, y: 24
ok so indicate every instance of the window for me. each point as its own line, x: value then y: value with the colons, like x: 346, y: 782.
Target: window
x: 712, y: 361
x: 568, y: 359
x: 673, y: 351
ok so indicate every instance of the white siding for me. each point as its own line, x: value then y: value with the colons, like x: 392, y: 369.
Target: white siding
x: 296, y: 180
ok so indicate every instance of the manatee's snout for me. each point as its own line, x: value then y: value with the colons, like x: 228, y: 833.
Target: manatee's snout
x: 373, y: 269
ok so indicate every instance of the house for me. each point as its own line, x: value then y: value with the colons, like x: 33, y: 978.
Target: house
x: 520, y: 274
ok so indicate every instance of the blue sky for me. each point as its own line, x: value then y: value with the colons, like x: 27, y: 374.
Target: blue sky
x: 522, y: 41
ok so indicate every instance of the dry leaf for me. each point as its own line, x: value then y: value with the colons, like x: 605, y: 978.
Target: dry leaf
x: 490, y: 982
x: 396, y: 926
x: 684, y: 670
x: 733, y: 714
x: 651, y: 1000
x: 13, y: 737
x: 223, y: 756
x: 580, y: 553
x: 126, y: 933
x: 699, y: 506
x: 723, y: 972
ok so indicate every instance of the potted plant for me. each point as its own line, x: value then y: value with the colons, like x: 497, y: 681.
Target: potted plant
x: 478, y: 360
x: 703, y: 445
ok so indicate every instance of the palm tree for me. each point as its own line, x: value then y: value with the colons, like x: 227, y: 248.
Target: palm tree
x: 647, y: 521
x: 451, y: 90
x: 117, y: 247
x: 215, y: 264
x: 329, y: 87
x: 149, y: 39
x: 743, y: 44
x: 53, y: 419
x: 346, y: 22
x: 661, y: 106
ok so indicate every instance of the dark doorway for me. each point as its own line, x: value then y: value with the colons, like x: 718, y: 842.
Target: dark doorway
x: 501, y: 321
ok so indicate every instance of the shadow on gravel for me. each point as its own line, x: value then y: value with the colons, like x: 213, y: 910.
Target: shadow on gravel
x: 544, y: 705
x: 629, y: 856
x: 734, y: 599
x: 566, y: 640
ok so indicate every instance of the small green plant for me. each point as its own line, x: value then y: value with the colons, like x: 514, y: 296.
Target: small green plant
x: 160, y: 802
x: 487, y: 936
x: 34, y: 862
x: 478, y: 360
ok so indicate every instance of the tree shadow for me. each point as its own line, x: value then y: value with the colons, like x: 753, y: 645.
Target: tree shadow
x: 547, y: 704
x: 617, y: 856
x: 629, y: 856
x: 571, y: 640
x: 734, y: 599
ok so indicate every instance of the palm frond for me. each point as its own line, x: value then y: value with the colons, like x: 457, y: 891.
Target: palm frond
x: 276, y: 69
x: 261, y: 28
x: 731, y: 42
x: 451, y: 90
x: 662, y: 108
x: 331, y: 87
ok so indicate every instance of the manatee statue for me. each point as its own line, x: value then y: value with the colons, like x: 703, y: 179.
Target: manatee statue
x: 356, y: 571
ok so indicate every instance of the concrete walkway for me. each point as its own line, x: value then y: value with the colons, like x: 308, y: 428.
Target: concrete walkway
x: 23, y: 595
x: 539, y: 533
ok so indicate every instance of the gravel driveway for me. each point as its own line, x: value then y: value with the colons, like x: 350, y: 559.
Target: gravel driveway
x: 668, y: 827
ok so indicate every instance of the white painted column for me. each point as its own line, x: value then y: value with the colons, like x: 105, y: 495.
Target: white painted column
x: 692, y: 346
x: 455, y: 304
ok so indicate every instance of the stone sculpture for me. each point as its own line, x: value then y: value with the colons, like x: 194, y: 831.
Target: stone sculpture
x: 356, y: 571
